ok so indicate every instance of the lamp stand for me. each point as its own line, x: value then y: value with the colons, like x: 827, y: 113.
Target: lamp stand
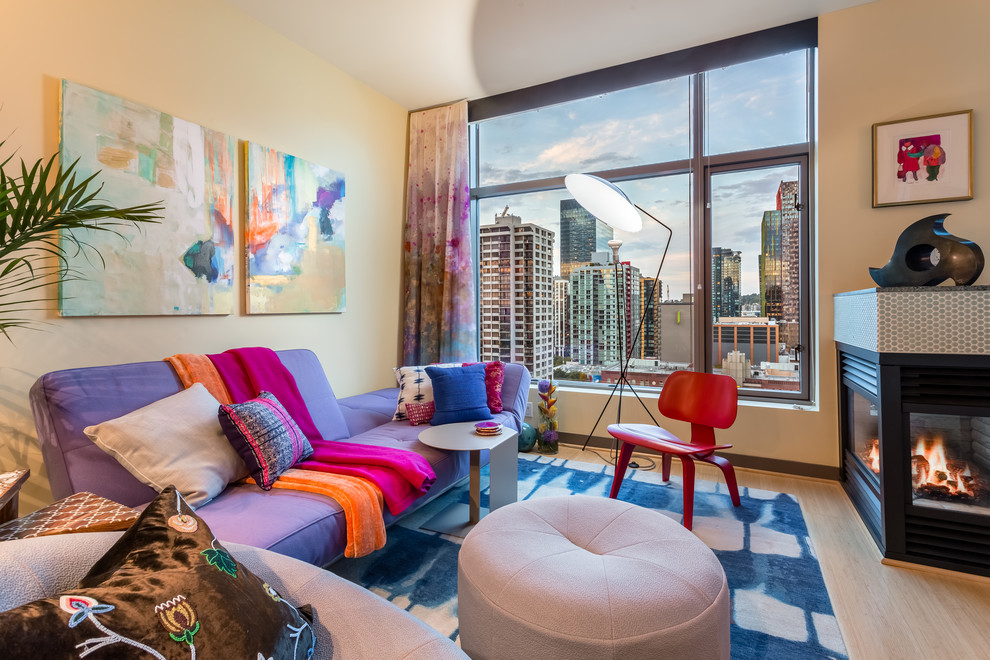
x: 622, y: 381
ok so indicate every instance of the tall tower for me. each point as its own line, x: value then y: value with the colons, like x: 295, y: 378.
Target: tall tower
x: 649, y: 344
x: 562, y: 317
x: 605, y: 311
x: 790, y: 251
x: 581, y: 234
x: 517, y: 294
x: 726, y: 272
x: 771, y: 267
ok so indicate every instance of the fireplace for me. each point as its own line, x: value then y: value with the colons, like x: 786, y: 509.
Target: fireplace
x: 915, y: 430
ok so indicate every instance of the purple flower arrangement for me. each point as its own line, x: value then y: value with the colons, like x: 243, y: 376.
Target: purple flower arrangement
x: 546, y: 441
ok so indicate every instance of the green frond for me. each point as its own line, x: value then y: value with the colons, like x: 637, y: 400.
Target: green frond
x: 40, y: 209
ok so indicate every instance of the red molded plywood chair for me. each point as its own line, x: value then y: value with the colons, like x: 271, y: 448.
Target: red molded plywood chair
x: 708, y: 402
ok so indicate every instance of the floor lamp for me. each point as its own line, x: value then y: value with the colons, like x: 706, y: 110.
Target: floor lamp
x: 606, y: 202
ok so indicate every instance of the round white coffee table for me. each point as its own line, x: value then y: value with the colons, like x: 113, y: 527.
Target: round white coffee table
x: 503, y: 463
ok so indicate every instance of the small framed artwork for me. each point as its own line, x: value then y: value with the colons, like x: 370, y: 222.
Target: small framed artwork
x: 921, y: 160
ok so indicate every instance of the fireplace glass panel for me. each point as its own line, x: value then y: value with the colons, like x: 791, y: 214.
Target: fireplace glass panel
x: 865, y: 431
x: 950, y: 462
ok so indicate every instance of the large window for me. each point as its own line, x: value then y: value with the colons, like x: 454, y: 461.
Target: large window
x: 720, y: 154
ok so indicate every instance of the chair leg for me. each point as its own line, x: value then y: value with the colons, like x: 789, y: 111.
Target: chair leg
x: 687, y: 472
x: 665, y: 460
x: 730, y: 476
x: 620, y: 468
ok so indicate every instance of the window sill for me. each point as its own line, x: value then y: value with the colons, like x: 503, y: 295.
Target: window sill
x: 651, y: 395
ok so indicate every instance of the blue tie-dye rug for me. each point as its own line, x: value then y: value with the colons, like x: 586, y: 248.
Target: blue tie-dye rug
x: 780, y: 608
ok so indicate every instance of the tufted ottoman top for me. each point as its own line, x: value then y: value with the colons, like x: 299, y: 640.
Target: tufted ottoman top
x: 590, y: 572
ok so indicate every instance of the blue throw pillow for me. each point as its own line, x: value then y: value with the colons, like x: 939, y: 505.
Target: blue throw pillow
x: 459, y: 394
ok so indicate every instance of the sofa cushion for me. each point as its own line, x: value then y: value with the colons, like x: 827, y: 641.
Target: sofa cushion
x: 265, y: 436
x: 165, y: 588
x: 176, y: 440
x: 459, y: 394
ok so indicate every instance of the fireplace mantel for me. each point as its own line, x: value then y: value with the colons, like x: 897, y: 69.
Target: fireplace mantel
x: 938, y: 320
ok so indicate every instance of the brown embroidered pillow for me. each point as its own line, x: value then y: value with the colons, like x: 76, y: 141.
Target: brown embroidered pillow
x: 166, y: 589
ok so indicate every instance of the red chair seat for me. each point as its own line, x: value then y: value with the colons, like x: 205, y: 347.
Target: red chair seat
x: 707, y: 401
x: 660, y: 439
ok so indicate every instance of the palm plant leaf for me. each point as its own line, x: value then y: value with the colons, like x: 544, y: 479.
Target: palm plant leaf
x: 45, y: 216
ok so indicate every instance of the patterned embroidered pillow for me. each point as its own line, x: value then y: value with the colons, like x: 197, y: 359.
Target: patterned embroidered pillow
x: 420, y: 413
x: 415, y: 386
x: 265, y: 436
x: 494, y: 377
x: 166, y: 589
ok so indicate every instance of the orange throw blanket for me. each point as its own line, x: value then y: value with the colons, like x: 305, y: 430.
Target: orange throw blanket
x: 360, y: 499
x: 197, y: 368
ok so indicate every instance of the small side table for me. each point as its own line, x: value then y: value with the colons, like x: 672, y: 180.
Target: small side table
x: 10, y: 488
x: 503, y: 462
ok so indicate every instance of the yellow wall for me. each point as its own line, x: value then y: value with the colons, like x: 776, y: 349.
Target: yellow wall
x: 883, y: 61
x: 206, y: 62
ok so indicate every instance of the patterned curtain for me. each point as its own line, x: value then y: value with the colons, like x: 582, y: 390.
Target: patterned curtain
x: 441, y: 306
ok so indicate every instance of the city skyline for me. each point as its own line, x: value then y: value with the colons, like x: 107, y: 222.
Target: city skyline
x: 739, y: 200
x: 750, y: 105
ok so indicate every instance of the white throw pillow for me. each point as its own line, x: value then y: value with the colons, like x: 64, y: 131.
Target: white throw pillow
x: 176, y: 440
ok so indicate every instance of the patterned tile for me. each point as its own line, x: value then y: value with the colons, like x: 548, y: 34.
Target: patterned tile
x: 934, y: 320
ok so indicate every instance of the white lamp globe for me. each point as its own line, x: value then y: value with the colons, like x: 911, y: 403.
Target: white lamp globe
x: 605, y: 201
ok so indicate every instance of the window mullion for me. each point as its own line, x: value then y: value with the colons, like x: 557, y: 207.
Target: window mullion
x: 701, y: 236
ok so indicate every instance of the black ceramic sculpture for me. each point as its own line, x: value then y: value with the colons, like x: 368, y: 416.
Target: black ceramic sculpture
x: 926, y: 255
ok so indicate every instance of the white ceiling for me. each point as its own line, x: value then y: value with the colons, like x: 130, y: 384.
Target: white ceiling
x: 426, y: 52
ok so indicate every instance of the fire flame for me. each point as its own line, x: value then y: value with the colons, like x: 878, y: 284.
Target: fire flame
x: 935, y: 470
x: 873, y: 458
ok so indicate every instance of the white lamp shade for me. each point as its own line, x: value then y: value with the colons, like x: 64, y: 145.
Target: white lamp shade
x: 604, y: 200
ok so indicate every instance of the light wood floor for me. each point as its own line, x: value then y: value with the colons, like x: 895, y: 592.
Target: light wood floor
x: 883, y: 611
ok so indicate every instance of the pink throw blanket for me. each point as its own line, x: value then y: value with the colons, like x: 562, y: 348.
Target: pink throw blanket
x: 401, y: 474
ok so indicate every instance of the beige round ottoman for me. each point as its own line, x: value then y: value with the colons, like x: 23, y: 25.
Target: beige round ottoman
x: 589, y: 578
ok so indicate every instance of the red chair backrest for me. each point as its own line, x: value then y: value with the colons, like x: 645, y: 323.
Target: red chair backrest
x: 699, y: 398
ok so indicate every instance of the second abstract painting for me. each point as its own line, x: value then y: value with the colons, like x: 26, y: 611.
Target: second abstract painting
x: 294, y: 234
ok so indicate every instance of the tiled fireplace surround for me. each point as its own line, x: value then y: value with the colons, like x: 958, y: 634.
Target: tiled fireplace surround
x: 906, y: 356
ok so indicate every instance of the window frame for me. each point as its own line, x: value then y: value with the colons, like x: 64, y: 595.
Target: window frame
x: 699, y: 166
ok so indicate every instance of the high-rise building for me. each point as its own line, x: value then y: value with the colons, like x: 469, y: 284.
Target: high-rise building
x: 517, y: 294
x: 726, y: 274
x: 605, y: 311
x: 562, y: 317
x: 581, y: 234
x: 771, y: 267
x: 649, y: 343
x: 790, y: 251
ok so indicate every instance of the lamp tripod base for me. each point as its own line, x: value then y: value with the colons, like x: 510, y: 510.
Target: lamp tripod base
x: 620, y: 385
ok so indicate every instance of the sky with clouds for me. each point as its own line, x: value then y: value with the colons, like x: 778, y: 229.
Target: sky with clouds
x: 751, y: 105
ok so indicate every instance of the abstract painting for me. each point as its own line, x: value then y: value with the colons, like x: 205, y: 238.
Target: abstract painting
x: 183, y: 265
x: 294, y: 235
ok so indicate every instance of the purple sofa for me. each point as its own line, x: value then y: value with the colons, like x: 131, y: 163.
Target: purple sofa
x: 303, y: 525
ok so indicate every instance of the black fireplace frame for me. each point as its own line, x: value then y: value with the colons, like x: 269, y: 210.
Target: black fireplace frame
x: 900, y: 384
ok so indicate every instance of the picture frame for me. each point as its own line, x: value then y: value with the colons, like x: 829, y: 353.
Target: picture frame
x: 923, y: 159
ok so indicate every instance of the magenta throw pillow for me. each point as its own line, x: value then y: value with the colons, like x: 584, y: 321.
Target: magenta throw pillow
x: 265, y: 436
x: 420, y: 413
x: 494, y: 376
